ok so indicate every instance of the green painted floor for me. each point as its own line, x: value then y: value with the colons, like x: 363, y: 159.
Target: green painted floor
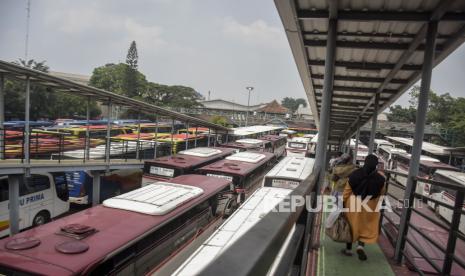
x: 332, y: 262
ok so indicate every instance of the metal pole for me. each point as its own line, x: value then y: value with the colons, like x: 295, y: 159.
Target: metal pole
x: 357, y: 137
x: 187, y: 135
x: 13, y: 195
x: 156, y: 138
x: 138, y: 136
x: 227, y: 137
x: 172, y: 138
x: 107, y: 148
x: 428, y: 59
x: 87, y: 142
x: 320, y: 155
x: 26, y: 120
x: 374, y: 122
x: 208, y: 140
x: 249, y: 88
x: 216, y: 138
x: 2, y: 116
x: 95, y: 188
x: 195, y: 141
x: 454, y: 228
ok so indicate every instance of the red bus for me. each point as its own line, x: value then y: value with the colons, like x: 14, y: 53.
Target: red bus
x: 184, y: 162
x: 278, y: 144
x: 154, y: 227
x: 245, y: 169
x: 250, y: 144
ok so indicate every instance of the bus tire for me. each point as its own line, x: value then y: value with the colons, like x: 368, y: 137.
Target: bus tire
x: 41, y: 218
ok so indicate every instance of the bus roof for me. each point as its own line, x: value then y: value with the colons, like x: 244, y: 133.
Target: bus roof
x: 246, y: 216
x: 426, y: 146
x: 183, y: 161
x: 383, y: 142
x: 236, y: 167
x: 293, y: 168
x: 247, y: 156
x: 392, y: 149
x: 116, y: 229
x: 301, y: 140
x: 157, y: 198
x: 249, y: 130
x: 272, y: 138
x: 249, y: 141
x: 201, y: 152
x: 429, y: 162
x: 457, y: 177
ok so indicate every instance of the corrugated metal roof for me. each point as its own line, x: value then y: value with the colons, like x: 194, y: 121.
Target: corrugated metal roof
x: 11, y: 70
x: 372, y: 38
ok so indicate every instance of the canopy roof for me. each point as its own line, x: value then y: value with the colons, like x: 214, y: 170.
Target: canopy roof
x: 11, y: 70
x: 379, y: 49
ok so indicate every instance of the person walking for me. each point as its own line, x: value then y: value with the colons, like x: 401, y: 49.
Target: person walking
x: 364, y: 184
x: 343, y: 167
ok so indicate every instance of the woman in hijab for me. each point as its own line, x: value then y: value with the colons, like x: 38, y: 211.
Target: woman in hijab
x: 365, y: 184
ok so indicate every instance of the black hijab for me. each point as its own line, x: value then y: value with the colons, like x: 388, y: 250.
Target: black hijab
x: 366, y: 181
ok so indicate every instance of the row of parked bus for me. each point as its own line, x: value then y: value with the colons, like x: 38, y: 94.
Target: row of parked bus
x: 165, y: 227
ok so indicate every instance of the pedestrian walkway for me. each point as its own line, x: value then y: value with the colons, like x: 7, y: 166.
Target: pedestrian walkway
x: 332, y: 262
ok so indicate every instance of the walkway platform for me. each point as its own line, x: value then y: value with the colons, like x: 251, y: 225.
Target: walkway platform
x: 332, y: 262
x: 15, y: 166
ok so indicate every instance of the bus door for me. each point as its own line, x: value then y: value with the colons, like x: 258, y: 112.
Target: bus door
x: 60, y: 193
x: 4, y: 210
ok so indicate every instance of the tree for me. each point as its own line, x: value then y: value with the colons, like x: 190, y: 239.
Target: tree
x: 112, y: 77
x: 45, y: 102
x: 132, y: 57
x: 293, y: 104
x: 172, y: 96
x: 219, y: 120
x: 400, y: 114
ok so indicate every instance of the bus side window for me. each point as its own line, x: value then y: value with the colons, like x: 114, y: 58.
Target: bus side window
x: 34, y: 184
x: 4, y: 189
x: 61, y: 185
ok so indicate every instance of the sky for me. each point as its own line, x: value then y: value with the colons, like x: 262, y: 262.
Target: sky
x: 220, y: 46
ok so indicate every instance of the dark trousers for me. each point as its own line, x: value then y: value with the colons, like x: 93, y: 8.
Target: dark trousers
x: 349, y: 245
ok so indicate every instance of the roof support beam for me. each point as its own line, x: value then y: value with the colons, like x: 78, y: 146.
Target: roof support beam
x: 350, y: 97
x: 366, y: 45
x: 323, y: 133
x: 366, y: 65
x: 380, y: 15
x: 369, y: 35
x: 360, y: 79
x: 357, y: 89
x: 438, y: 13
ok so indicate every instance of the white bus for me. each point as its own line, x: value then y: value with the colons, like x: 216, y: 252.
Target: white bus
x: 289, y: 173
x: 386, y: 153
x: 381, y: 143
x: 281, y: 180
x: 446, y: 195
x: 300, y: 146
x: 42, y: 197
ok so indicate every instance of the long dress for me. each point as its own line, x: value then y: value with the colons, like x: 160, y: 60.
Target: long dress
x: 364, y: 224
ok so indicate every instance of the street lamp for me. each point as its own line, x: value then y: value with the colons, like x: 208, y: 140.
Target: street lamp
x: 249, y: 88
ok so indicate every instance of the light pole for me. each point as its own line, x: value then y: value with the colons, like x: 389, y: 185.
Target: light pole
x: 249, y: 88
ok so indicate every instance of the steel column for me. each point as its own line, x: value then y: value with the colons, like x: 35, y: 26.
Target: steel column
x: 87, y: 142
x: 357, y: 137
x: 2, y: 116
x: 454, y: 228
x: 208, y: 140
x: 138, y: 136
x: 323, y: 133
x: 195, y: 140
x: 13, y: 195
x: 156, y: 138
x: 428, y: 59
x: 374, y: 122
x: 108, y: 141
x: 95, y: 188
x: 26, y: 120
x: 172, y: 134
x: 187, y: 135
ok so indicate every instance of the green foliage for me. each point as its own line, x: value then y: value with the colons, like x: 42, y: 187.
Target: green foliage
x: 219, y: 120
x: 292, y: 104
x: 172, y: 96
x: 113, y: 77
x: 45, y: 103
x: 402, y: 114
x: 132, y: 57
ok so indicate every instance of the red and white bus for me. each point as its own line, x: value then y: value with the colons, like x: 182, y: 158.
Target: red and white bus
x: 428, y: 166
x: 278, y: 144
x: 154, y: 227
x: 184, y: 162
x: 299, y: 147
x: 244, y: 169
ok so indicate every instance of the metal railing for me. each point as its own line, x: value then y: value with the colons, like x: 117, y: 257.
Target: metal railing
x: 391, y: 228
x: 255, y: 252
